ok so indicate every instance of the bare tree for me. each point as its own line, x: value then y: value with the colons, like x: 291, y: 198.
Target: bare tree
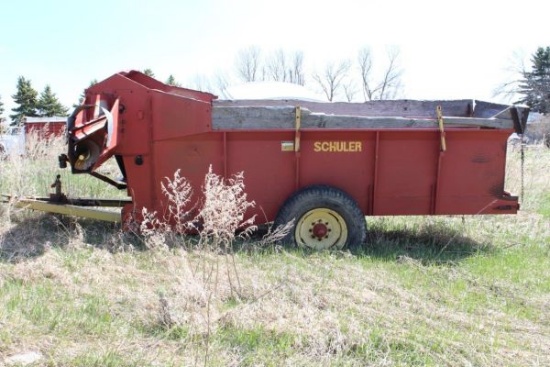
x: 388, y: 86
x: 216, y: 84
x: 391, y: 83
x: 296, y: 72
x: 276, y: 66
x: 332, y: 78
x: 221, y: 83
x: 248, y: 64
x: 202, y: 83
x: 365, y: 69
x: 514, y: 73
x: 286, y: 67
x: 350, y: 90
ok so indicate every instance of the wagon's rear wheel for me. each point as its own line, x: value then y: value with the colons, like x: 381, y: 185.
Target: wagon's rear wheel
x: 324, y: 217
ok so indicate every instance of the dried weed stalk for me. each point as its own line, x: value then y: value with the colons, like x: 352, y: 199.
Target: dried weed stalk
x: 158, y: 232
x: 178, y: 192
x: 223, y: 210
x: 221, y: 214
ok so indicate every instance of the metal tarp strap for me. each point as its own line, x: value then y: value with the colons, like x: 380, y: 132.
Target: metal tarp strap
x: 298, y: 124
x: 439, y: 115
x: 297, y: 136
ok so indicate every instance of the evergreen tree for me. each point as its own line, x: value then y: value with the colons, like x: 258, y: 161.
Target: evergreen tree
x: 49, y: 105
x: 535, y: 85
x: 26, y: 99
x: 149, y: 72
x: 83, y: 94
x: 172, y: 81
x: 1, y: 110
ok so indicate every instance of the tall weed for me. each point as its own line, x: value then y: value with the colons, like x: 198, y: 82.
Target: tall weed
x: 220, y: 220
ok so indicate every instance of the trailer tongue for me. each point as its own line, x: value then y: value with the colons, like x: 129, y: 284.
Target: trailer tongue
x: 324, y: 165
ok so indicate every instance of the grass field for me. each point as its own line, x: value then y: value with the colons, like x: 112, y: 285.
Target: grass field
x: 427, y: 291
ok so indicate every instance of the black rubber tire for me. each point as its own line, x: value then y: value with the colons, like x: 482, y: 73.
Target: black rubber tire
x: 323, y: 197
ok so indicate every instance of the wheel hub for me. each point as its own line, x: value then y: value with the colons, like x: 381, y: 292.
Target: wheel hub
x: 320, y: 229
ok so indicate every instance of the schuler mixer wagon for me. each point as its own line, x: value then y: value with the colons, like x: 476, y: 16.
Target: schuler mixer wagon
x: 324, y: 165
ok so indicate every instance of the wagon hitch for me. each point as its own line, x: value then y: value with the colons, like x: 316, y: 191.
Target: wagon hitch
x: 59, y: 203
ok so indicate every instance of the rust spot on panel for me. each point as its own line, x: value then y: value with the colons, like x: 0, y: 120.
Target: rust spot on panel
x: 481, y: 158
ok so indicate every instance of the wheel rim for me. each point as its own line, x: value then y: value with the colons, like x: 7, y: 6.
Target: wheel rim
x: 320, y: 229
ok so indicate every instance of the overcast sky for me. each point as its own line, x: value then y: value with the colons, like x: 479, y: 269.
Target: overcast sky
x: 449, y: 49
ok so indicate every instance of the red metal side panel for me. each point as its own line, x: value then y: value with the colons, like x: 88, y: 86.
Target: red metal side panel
x: 57, y: 128
x: 387, y: 172
x: 193, y: 155
x: 407, y: 168
x: 342, y: 159
x: 174, y: 117
x: 134, y: 121
x: 45, y: 130
x: 269, y: 172
x: 472, y: 172
x: 134, y: 140
x: 139, y: 178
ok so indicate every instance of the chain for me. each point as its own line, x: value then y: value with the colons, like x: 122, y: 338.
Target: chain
x: 522, y: 157
x: 521, y: 127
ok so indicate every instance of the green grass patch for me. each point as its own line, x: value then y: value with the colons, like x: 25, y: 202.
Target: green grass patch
x: 48, y: 306
x: 106, y: 358
x: 544, y: 206
x: 257, y: 345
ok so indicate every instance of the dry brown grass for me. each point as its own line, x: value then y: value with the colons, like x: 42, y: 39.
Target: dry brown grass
x: 539, y: 132
x: 327, y: 307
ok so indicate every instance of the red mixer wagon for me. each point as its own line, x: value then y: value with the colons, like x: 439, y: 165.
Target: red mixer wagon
x: 324, y: 165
